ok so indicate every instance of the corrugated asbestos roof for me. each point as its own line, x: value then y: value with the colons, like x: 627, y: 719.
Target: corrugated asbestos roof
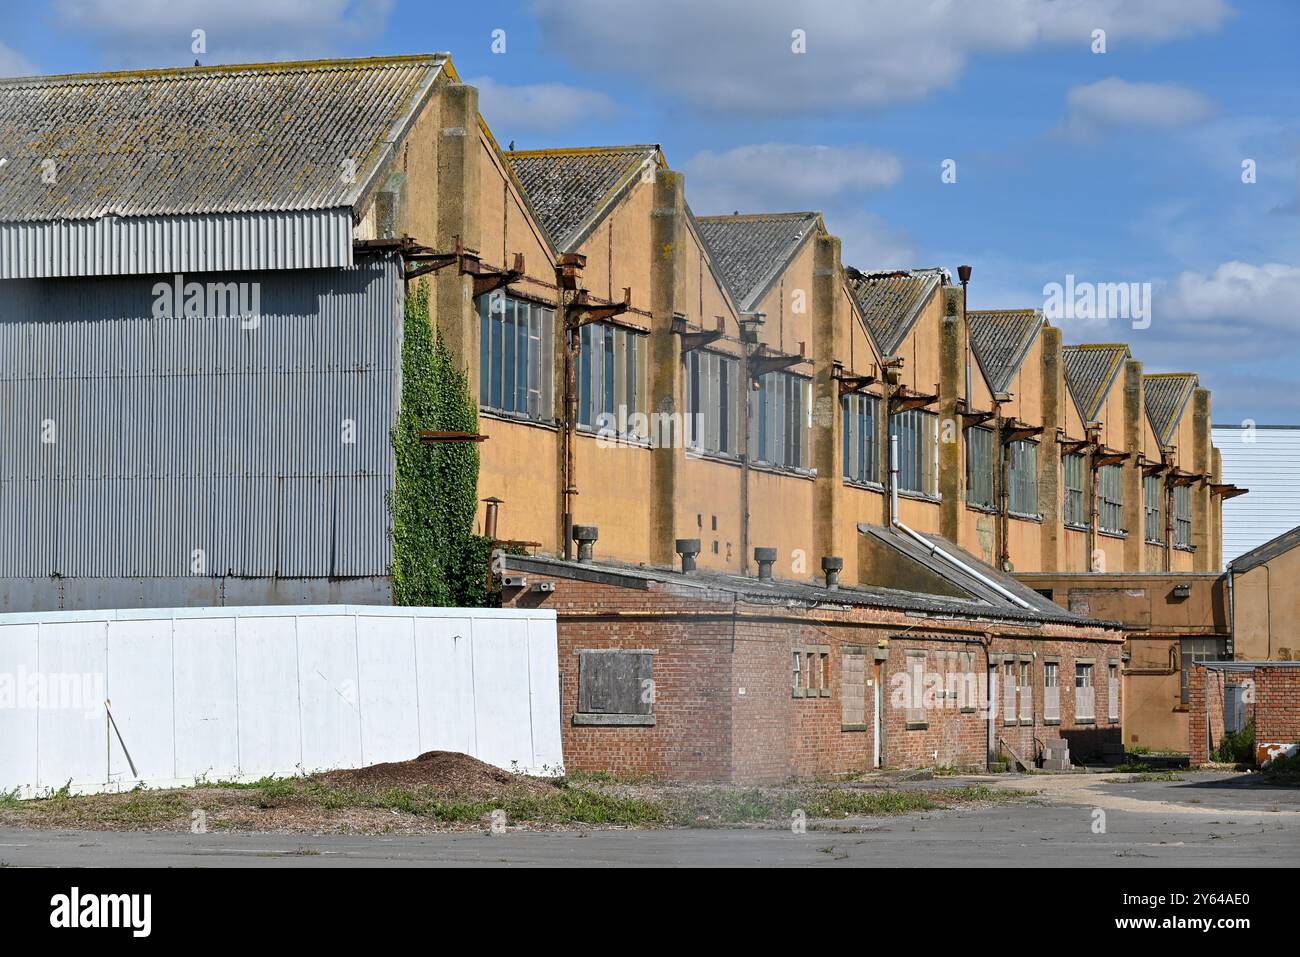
x: 573, y: 189
x: 984, y: 603
x: 1000, y: 339
x: 1090, y: 371
x: 891, y: 302
x: 203, y: 140
x: 1266, y: 552
x: 1166, y: 396
x: 751, y: 251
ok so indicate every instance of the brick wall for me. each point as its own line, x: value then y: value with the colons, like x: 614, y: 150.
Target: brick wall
x: 1273, y: 704
x: 1277, y: 705
x: 726, y: 709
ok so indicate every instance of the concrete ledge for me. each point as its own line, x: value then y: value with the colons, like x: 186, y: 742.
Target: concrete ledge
x: 614, y: 720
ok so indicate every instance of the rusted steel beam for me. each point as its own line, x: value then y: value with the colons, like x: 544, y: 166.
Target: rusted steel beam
x: 1226, y: 491
x: 438, y: 438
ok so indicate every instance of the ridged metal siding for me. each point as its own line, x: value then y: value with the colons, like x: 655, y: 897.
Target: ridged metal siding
x: 311, y: 239
x: 177, y: 434
x: 1266, y: 461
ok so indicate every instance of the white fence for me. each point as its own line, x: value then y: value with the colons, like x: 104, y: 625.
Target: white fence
x: 240, y: 693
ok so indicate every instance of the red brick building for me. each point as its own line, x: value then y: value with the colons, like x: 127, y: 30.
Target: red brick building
x: 1228, y: 695
x: 711, y: 676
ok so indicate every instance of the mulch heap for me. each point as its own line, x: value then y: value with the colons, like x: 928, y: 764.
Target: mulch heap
x: 448, y: 772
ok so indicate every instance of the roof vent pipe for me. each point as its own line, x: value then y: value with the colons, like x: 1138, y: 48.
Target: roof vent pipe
x: 688, y: 548
x: 766, y: 558
x: 585, y: 536
x: 832, y: 565
x: 490, y: 517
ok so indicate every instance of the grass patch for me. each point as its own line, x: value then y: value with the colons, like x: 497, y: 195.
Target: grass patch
x: 722, y: 806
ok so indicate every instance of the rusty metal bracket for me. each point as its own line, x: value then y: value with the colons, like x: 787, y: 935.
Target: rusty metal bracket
x: 1075, y: 447
x: 764, y: 362
x: 1014, y: 431
x: 972, y: 419
x: 850, y: 383
x: 1226, y: 491
x: 488, y: 279
x: 1106, y: 457
x: 426, y: 260
x: 1178, y: 478
x: 583, y: 309
x: 905, y: 400
x: 696, y: 340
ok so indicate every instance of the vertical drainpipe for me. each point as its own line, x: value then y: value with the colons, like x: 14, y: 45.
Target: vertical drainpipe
x: 1000, y: 478
x: 1091, y: 537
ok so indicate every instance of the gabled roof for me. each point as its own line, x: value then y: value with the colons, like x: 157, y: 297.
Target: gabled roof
x: 573, y: 189
x: 1166, y: 395
x: 891, y: 302
x: 1000, y: 339
x: 1266, y: 552
x: 752, y: 251
x: 203, y: 140
x: 1090, y: 371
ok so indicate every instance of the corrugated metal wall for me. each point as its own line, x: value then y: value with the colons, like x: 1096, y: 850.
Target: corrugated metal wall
x: 288, y: 239
x: 1265, y: 460
x: 127, y: 442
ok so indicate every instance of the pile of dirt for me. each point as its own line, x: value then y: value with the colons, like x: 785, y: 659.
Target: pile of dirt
x: 449, y: 772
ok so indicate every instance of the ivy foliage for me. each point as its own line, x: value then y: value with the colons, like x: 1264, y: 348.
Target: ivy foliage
x: 437, y: 558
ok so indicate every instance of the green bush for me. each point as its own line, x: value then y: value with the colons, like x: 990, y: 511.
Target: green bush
x: 437, y: 558
x: 1238, y: 747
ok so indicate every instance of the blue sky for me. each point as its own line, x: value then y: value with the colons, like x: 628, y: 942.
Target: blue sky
x: 1115, y: 166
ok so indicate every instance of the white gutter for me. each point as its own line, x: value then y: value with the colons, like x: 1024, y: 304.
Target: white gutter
x: 928, y: 545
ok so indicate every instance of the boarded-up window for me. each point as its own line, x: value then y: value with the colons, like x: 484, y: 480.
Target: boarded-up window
x: 853, y: 689
x: 616, y: 682
x: 1026, y: 693
x: 1112, y: 693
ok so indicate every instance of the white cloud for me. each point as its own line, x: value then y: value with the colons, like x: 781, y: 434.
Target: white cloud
x: 1114, y: 103
x: 776, y: 177
x: 1236, y: 293
x: 539, y: 106
x: 737, y: 54
x: 13, y: 63
x: 159, y: 32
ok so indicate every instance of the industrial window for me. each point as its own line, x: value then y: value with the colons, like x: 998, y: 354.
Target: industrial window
x: 615, y: 687
x: 915, y: 716
x: 1110, y: 481
x: 810, y: 674
x: 918, y: 446
x: 1026, y: 693
x: 612, y: 380
x: 1183, y: 515
x: 711, y: 406
x: 516, y: 354
x: 779, y: 420
x: 1153, y: 512
x: 1073, y: 468
x: 1051, y: 692
x: 1191, y: 651
x: 1112, y: 691
x: 861, y: 438
x: 1084, y: 699
x: 1008, y: 692
x: 979, y: 467
x: 1022, y: 478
